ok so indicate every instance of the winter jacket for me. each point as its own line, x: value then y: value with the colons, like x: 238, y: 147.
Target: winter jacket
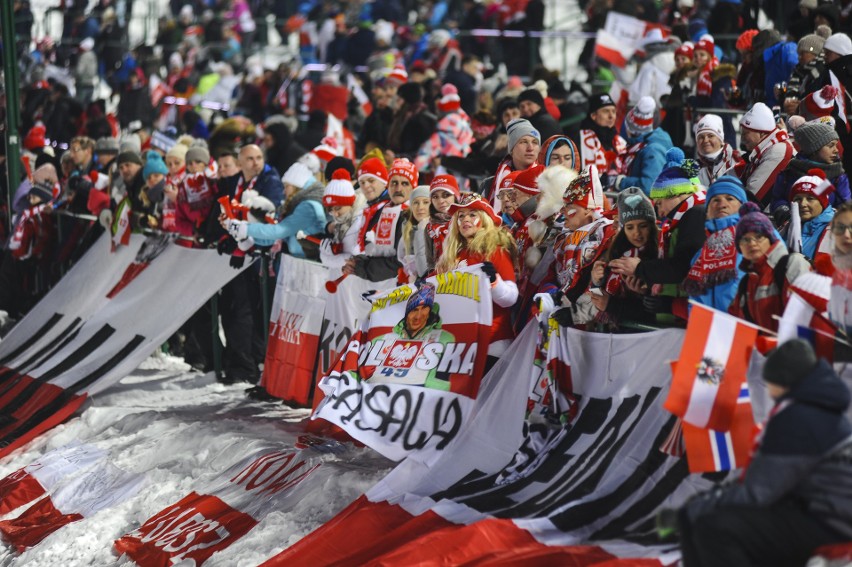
x: 653, y: 78
x: 768, y: 159
x: 758, y: 295
x: 86, y: 72
x: 799, y: 167
x: 504, y: 293
x: 686, y: 239
x: 269, y: 185
x: 813, y: 232
x: 382, y: 232
x: 804, y: 456
x: 779, y: 61
x: 452, y: 137
x: 644, y: 160
x: 721, y: 295
x: 713, y: 169
x: 306, y: 215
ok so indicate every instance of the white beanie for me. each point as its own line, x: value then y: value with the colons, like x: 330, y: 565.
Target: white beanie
x: 311, y: 161
x: 710, y: 123
x: 838, y: 43
x: 759, y: 118
x: 298, y: 175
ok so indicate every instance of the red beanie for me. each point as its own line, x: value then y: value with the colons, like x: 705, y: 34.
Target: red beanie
x: 406, y: 169
x: 446, y: 183
x: 35, y: 138
x: 527, y: 180
x: 373, y: 167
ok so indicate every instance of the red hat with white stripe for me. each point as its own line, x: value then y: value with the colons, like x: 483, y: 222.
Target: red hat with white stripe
x: 474, y: 201
x: 814, y: 183
x: 706, y: 43
x: 406, y: 169
x: 507, y: 182
x: 339, y: 192
x: 328, y: 149
x: 375, y: 168
x: 527, y: 180
x: 446, y: 183
x: 398, y: 76
x: 820, y: 103
x: 449, y: 98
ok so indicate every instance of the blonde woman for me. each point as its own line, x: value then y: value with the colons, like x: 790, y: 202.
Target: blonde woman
x: 476, y: 237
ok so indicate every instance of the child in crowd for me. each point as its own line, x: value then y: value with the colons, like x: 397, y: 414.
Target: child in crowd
x: 411, y: 250
x: 197, y: 191
x: 345, y: 206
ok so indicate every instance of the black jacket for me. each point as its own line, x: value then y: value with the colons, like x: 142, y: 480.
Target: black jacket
x: 546, y: 125
x: 805, y: 456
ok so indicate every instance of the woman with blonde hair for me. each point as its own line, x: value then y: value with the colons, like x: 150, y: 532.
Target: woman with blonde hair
x: 477, y: 237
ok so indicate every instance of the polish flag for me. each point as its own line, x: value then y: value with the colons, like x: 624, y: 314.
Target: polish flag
x: 711, y: 369
x: 612, y: 49
x: 708, y: 450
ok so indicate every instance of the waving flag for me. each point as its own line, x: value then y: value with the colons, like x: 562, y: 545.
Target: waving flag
x: 711, y: 369
x: 801, y: 320
x: 708, y: 450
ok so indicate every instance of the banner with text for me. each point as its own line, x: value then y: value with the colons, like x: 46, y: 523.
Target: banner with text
x: 409, y: 376
x: 104, y: 317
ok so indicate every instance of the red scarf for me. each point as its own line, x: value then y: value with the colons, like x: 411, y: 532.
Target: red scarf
x: 670, y: 223
x: 437, y: 231
x: 614, y: 285
x: 717, y: 263
x: 370, y: 212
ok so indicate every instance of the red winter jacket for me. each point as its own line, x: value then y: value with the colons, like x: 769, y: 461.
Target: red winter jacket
x: 758, y: 298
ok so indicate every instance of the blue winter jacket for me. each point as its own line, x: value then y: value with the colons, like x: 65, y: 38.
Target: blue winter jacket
x: 812, y: 232
x: 779, y: 61
x: 720, y: 296
x: 308, y: 217
x: 649, y: 162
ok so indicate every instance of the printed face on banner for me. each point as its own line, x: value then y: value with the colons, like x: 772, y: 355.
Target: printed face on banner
x: 425, y: 336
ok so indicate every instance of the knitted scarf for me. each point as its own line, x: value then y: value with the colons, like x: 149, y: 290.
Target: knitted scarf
x: 614, y: 284
x: 672, y: 220
x: 370, y: 212
x: 717, y: 261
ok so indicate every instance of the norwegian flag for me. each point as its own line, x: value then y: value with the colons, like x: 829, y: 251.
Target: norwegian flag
x: 709, y: 450
x: 804, y: 317
x: 711, y: 369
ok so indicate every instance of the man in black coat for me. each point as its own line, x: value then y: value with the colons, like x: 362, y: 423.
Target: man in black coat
x: 796, y: 494
x: 532, y: 108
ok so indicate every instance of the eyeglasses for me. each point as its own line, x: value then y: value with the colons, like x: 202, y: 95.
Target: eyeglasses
x: 841, y: 229
x: 753, y: 239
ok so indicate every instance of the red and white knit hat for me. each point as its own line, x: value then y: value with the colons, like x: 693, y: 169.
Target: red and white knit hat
x: 507, y: 182
x: 706, y: 43
x: 814, y: 183
x: 685, y: 49
x: 406, y: 169
x: 450, y: 100
x: 820, y: 103
x: 586, y: 190
x: 640, y: 119
x: 527, y: 180
x: 398, y: 76
x: 328, y: 149
x: 339, y: 192
x: 375, y: 168
x: 446, y: 183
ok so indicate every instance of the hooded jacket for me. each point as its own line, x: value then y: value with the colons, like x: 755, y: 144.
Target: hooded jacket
x: 813, y: 232
x: 805, y: 455
x: 643, y: 165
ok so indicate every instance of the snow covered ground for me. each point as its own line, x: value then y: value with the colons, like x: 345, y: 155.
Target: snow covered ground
x: 181, y: 429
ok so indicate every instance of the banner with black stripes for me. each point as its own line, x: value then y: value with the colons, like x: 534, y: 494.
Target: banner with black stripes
x: 586, y: 493
x: 104, y: 317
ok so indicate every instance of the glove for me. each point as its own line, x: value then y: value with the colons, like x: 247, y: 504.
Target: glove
x: 105, y: 219
x: 226, y: 245
x: 238, y: 229
x: 781, y: 216
x: 246, y: 245
x: 657, y: 304
x: 667, y: 524
x: 489, y: 270
x: 237, y: 261
x: 563, y: 317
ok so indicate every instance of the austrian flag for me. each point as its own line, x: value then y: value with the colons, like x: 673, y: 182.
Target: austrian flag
x: 711, y: 370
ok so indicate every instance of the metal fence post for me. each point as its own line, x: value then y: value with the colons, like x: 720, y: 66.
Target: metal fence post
x: 217, y: 344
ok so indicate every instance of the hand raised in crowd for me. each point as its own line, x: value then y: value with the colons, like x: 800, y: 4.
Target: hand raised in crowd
x: 624, y: 266
x: 598, y: 272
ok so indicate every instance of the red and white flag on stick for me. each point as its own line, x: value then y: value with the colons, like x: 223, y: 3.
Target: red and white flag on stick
x: 613, y: 50
x: 711, y: 369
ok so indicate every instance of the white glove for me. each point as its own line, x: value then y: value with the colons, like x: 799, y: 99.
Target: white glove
x: 106, y: 218
x: 238, y: 229
x: 245, y: 244
x: 545, y: 306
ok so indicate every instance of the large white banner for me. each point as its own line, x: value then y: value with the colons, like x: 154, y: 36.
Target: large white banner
x: 104, y: 317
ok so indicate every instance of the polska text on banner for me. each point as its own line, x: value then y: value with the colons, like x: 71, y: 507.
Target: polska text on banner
x: 711, y: 369
x: 409, y: 375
